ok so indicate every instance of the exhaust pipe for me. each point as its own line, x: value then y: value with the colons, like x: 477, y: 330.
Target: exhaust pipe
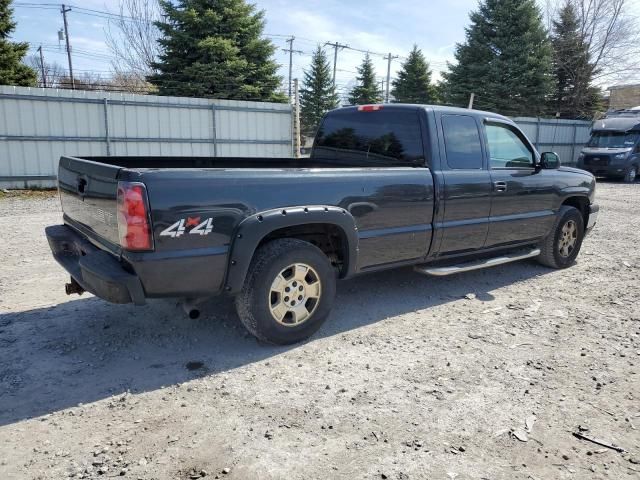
x: 73, y: 287
x: 190, y: 307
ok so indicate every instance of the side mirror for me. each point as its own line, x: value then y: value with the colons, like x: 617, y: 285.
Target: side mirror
x: 549, y: 160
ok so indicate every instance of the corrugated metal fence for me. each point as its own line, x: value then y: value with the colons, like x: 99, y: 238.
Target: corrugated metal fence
x: 565, y: 137
x: 37, y: 126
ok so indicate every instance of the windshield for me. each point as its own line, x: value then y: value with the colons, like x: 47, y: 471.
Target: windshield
x: 613, y: 139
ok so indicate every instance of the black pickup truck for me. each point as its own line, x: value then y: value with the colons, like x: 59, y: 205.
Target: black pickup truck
x: 446, y: 190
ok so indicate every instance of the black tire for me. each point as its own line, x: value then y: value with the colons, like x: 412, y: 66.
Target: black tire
x: 630, y: 174
x: 551, y: 254
x: 255, y: 301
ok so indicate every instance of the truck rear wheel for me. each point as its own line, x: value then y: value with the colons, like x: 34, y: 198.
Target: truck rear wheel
x: 562, y: 245
x: 288, y: 292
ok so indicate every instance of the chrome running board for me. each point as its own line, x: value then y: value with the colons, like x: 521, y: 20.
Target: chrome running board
x: 475, y: 265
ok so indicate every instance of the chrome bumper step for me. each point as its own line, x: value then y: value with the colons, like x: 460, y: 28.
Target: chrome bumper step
x: 476, y: 264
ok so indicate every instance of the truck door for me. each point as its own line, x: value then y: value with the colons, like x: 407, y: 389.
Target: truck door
x: 392, y: 199
x: 522, y: 197
x: 467, y: 185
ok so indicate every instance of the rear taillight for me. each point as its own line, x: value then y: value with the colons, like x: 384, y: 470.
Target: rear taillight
x: 134, y: 226
x: 369, y: 108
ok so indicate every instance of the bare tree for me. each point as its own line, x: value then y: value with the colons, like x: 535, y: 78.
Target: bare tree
x: 132, y: 38
x: 550, y: 12
x: 131, y: 83
x: 84, y: 81
x: 610, y: 29
x: 53, y: 72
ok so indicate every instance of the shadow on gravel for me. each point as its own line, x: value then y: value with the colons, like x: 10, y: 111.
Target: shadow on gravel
x: 86, y: 350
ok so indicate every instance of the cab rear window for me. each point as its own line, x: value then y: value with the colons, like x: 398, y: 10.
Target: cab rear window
x: 382, y: 137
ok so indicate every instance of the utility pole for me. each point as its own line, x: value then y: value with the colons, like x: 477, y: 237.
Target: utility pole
x: 291, y: 52
x: 335, y: 46
x: 66, y: 37
x: 296, y: 120
x: 471, y: 98
x: 389, y: 58
x: 44, y: 77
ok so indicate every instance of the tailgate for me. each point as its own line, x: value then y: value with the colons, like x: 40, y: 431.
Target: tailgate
x: 88, y: 192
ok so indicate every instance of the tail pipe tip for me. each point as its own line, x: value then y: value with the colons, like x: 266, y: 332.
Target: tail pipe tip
x: 190, y: 307
x: 73, y: 287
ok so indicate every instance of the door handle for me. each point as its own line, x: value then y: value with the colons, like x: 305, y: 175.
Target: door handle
x: 500, y: 186
x: 81, y: 185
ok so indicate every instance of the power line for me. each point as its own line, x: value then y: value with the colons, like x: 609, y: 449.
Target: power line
x: 83, y: 53
x: 115, y: 16
x: 81, y: 11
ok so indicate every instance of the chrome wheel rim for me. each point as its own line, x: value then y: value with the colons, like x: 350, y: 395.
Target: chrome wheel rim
x: 294, y: 295
x: 568, y: 238
x: 631, y: 176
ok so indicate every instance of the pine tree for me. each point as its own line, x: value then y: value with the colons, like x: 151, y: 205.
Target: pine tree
x: 413, y: 84
x: 12, y: 70
x: 318, y: 94
x: 505, y: 60
x: 366, y: 91
x: 213, y: 48
x: 575, y: 95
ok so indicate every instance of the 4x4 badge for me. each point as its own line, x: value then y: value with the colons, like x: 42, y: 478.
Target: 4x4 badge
x: 179, y: 228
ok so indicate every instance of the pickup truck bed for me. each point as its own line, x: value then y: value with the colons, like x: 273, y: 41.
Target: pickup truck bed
x: 408, y: 192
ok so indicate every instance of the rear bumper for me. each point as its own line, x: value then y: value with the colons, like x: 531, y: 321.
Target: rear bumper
x: 594, y: 209
x: 95, y: 270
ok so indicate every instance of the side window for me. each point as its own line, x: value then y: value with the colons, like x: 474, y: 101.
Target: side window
x: 383, y: 137
x: 507, y: 149
x: 462, y: 142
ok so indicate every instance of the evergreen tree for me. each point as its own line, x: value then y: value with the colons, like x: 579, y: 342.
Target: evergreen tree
x: 12, y: 70
x: 413, y: 84
x: 505, y: 60
x: 366, y: 91
x: 318, y: 94
x: 214, y: 48
x: 575, y: 95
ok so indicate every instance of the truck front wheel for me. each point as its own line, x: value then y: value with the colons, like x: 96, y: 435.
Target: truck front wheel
x: 288, y: 292
x: 562, y: 245
x: 630, y: 174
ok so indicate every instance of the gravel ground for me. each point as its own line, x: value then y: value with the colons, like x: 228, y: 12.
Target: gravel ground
x: 483, y: 375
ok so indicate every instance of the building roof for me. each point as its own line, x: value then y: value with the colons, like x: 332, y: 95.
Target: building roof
x: 621, y: 87
x: 618, y: 124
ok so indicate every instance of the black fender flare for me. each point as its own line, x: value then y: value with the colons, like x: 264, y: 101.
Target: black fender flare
x: 583, y: 197
x: 253, y: 229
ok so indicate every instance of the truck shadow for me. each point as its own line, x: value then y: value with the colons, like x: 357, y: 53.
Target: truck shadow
x: 87, y: 350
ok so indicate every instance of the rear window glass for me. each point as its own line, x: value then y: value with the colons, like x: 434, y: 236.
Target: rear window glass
x: 462, y: 142
x: 380, y: 137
